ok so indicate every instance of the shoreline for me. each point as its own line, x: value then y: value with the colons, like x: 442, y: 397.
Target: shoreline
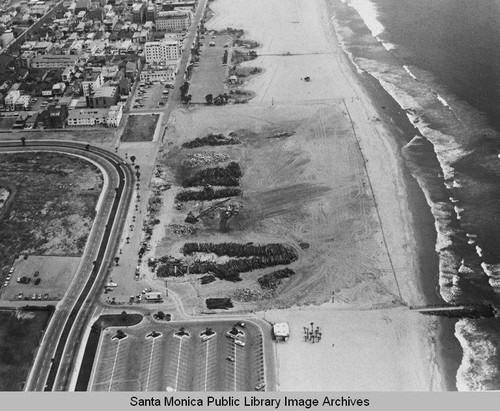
x: 447, y: 348
x: 380, y: 144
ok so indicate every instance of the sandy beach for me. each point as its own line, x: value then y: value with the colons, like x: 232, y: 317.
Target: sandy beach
x: 371, y: 340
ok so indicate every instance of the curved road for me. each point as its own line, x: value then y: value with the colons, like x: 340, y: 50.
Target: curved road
x: 54, y: 360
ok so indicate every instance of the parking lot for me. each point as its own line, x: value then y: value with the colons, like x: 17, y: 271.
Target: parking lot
x: 150, y: 96
x: 171, y: 360
x: 54, y: 275
x: 209, y: 75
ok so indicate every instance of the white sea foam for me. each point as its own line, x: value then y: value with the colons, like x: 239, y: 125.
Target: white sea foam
x: 407, y: 69
x: 478, y: 370
x: 479, y: 251
x: 493, y: 272
x: 442, y: 100
x: 368, y: 12
x: 388, y: 46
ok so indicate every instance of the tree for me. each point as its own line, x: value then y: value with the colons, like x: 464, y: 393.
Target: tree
x: 116, y: 260
x: 87, y: 147
x: 128, y: 240
x: 23, y: 141
x: 160, y: 315
x: 132, y: 158
x: 209, y: 99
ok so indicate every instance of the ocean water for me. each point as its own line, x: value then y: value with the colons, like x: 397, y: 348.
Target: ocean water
x: 440, y: 61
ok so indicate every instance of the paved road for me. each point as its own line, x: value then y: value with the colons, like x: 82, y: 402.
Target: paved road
x: 73, y: 311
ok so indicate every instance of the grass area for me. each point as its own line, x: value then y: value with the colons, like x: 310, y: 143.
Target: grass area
x: 95, y: 135
x: 20, y: 332
x: 51, y: 207
x: 140, y: 128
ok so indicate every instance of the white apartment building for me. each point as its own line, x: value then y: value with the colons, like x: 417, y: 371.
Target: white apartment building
x: 162, y: 51
x: 159, y: 74
x: 173, y: 20
x: 87, y: 117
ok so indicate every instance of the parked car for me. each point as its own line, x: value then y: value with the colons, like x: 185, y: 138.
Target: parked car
x: 239, y: 342
x: 37, y: 281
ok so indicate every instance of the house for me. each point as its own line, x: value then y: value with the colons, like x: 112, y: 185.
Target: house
x: 153, y: 297
x: 11, y: 98
x: 22, y: 103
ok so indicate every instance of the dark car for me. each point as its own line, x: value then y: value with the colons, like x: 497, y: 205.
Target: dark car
x: 28, y: 280
x: 36, y: 273
x: 37, y: 281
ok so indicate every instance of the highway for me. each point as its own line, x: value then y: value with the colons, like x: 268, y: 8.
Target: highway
x: 53, y: 364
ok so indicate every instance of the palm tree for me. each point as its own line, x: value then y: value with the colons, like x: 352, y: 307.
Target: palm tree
x: 23, y: 141
x: 116, y: 260
x: 132, y: 158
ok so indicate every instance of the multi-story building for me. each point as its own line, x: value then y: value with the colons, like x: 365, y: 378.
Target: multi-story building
x: 162, y: 51
x: 6, y: 38
x: 11, y: 98
x: 157, y: 73
x: 115, y: 115
x: 139, y: 13
x: 173, y: 20
x: 92, y: 83
x: 87, y: 117
x: 105, y: 97
x: 49, y: 61
x: 150, y: 13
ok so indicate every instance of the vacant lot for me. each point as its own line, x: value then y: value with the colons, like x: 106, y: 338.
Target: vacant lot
x: 52, y: 207
x: 140, y: 128
x: 20, y: 332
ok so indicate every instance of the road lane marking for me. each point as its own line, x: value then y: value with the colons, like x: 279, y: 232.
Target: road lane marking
x: 150, y: 362
x: 114, y: 366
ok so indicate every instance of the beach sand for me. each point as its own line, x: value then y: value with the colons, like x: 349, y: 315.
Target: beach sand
x: 375, y: 347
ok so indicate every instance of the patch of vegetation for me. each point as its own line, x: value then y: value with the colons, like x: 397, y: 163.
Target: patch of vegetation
x: 140, y: 128
x: 240, y: 250
x: 238, y: 56
x: 217, y: 176
x: 207, y: 194
x: 207, y: 279
x: 272, y: 280
x: 52, y: 204
x: 218, y: 303
x: 211, y: 140
x: 20, y: 334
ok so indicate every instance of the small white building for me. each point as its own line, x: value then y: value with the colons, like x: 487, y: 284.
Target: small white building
x: 10, y: 99
x: 153, y: 297
x: 281, y: 331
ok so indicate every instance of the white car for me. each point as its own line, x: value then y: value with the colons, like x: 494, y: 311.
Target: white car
x: 11, y: 270
x: 239, y: 342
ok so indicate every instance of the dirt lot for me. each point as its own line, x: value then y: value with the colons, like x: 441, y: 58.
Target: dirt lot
x: 140, y: 128
x: 20, y: 332
x: 55, y: 275
x: 52, y: 206
x: 210, y: 76
x: 304, y: 184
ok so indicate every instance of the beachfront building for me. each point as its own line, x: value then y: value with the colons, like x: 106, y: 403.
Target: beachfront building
x: 173, y: 20
x: 162, y: 51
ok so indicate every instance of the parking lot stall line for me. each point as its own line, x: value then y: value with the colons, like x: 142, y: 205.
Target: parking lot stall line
x: 114, y: 365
